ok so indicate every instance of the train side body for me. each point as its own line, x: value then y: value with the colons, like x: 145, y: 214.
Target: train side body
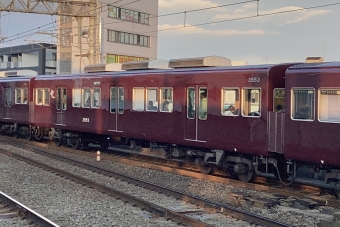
x: 12, y: 107
x: 313, y: 140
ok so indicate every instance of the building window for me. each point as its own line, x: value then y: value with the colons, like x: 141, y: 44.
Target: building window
x: 251, y: 102
x: 303, y: 103
x: 126, y: 14
x: 230, y: 102
x: 112, y: 58
x: 128, y: 38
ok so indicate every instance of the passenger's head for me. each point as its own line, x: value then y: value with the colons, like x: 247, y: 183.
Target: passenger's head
x: 150, y: 103
x: 231, y: 108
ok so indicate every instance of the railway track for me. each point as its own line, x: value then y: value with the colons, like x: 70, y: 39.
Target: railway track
x: 20, y: 214
x: 205, y: 206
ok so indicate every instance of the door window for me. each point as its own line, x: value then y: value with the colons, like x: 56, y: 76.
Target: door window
x: 191, y: 108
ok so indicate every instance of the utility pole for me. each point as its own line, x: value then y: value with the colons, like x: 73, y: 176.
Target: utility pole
x: 75, y: 9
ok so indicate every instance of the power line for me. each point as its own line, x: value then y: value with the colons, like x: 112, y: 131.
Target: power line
x: 54, y: 23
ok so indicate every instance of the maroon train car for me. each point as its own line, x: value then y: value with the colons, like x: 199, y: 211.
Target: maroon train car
x: 14, y: 104
x: 312, y: 129
x: 218, y: 137
x: 75, y: 106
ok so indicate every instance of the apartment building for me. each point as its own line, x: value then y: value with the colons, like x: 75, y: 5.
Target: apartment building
x: 39, y: 57
x: 127, y: 31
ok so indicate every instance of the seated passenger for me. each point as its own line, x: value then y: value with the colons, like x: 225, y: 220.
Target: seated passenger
x: 165, y: 106
x: 151, y: 106
x: 232, y: 110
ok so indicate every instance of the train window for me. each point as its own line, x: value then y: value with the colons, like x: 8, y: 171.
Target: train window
x: 76, y: 97
x: 24, y: 95
x: 251, y: 102
x: 121, y: 100
x: 166, y: 102
x: 203, y: 105
x: 38, y: 96
x: 152, y: 99
x: 230, y: 102
x: 279, y: 100
x: 46, y: 97
x: 64, y: 100
x: 303, y: 104
x: 329, y: 105
x: 58, y: 106
x: 86, y: 97
x: 191, y: 105
x: 96, y: 97
x: 138, y: 99
x: 17, y: 96
x: 113, y: 102
x: 8, y: 97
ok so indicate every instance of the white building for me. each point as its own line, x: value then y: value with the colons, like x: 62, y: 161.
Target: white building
x: 127, y: 32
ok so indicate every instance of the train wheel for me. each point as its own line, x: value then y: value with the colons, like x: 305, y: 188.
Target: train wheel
x: 247, y: 176
x: 58, y: 142
x: 76, y: 143
x: 29, y: 136
x: 38, y: 134
x: 206, y: 169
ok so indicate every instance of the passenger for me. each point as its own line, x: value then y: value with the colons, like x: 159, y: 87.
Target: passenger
x: 88, y: 102
x: 203, y: 106
x: 151, y: 106
x: 25, y: 101
x: 232, y: 110
x: 165, y: 106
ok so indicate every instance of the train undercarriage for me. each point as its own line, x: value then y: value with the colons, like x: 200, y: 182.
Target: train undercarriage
x: 244, y: 167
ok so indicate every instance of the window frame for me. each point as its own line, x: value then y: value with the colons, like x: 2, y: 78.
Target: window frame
x: 133, y: 99
x: 37, y: 96
x: 319, y: 107
x: 244, y: 102
x: 73, y: 97
x: 162, y: 99
x: 44, y: 97
x: 93, y: 100
x: 199, y: 103
x: 292, y: 103
x: 83, y: 102
x: 194, y: 102
x: 236, y: 107
x: 16, y: 96
x: 147, y: 99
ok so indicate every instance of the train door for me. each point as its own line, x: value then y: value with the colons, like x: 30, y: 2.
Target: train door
x: 116, y: 107
x: 61, y: 101
x: 7, y: 102
x: 196, y: 112
x: 276, y: 122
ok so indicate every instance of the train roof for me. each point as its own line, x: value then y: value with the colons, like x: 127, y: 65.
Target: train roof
x: 323, y: 65
x: 255, y: 68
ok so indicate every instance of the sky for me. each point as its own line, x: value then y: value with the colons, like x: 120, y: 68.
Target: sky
x: 254, y: 32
